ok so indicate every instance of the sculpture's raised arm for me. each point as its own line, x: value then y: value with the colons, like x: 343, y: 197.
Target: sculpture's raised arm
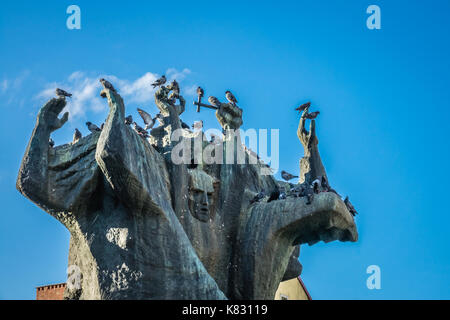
x: 42, y: 168
x: 33, y: 179
x: 311, y: 166
x: 132, y: 166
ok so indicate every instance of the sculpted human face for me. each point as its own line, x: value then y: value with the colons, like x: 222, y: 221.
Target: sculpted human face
x: 201, y: 193
x: 200, y: 204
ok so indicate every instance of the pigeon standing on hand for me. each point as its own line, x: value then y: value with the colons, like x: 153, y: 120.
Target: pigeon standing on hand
x: 62, y: 94
x: 76, y: 136
x: 107, y: 85
x: 312, y: 115
x: 148, y: 120
x: 230, y: 97
x: 174, y: 86
x: 92, y: 127
x: 159, y: 82
x: 304, y: 106
x: 287, y: 176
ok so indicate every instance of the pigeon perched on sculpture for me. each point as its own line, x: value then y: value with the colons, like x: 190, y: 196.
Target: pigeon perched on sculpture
x: 60, y: 93
x: 129, y: 120
x: 287, y: 176
x: 230, y: 97
x: 107, y: 85
x: 159, y: 82
x: 76, y: 136
x: 92, y: 127
x: 303, y: 107
x: 148, y: 120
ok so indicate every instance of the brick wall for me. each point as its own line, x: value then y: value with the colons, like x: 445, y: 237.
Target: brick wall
x: 51, y: 292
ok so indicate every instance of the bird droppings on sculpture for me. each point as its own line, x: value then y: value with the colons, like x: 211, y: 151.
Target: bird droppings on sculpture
x: 144, y: 226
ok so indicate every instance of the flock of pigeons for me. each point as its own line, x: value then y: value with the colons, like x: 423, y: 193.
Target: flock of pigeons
x: 149, y: 121
x: 302, y: 190
x: 299, y: 190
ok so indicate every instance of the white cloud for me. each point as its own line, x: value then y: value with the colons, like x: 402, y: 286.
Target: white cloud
x: 191, y: 90
x: 85, y: 94
x: 86, y: 90
x: 13, y: 85
x: 4, y: 85
x: 173, y: 73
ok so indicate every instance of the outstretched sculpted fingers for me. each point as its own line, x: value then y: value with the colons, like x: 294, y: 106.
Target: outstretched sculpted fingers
x: 48, y: 114
x: 62, y: 121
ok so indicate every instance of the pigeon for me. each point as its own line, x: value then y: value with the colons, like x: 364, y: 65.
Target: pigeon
x: 275, y: 195
x: 140, y: 131
x: 159, y: 82
x: 192, y: 165
x: 107, y: 85
x: 296, y: 191
x: 200, y: 93
x: 350, y: 207
x: 308, y: 192
x: 129, y: 120
x: 230, y: 97
x: 51, y: 143
x: 76, y: 136
x: 92, y: 127
x: 287, y: 176
x: 324, y: 184
x: 198, y: 125
x: 62, y: 94
x: 148, y: 120
x: 185, y: 125
x: 214, y: 101
x: 160, y: 118
x: 312, y: 115
x: 304, y: 106
x: 175, y: 87
x: 316, y: 186
x: 258, y: 197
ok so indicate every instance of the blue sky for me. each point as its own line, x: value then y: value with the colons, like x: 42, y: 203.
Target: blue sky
x: 383, y: 128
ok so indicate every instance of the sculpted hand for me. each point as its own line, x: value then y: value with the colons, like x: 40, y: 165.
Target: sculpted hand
x: 48, y: 115
x: 307, y: 138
